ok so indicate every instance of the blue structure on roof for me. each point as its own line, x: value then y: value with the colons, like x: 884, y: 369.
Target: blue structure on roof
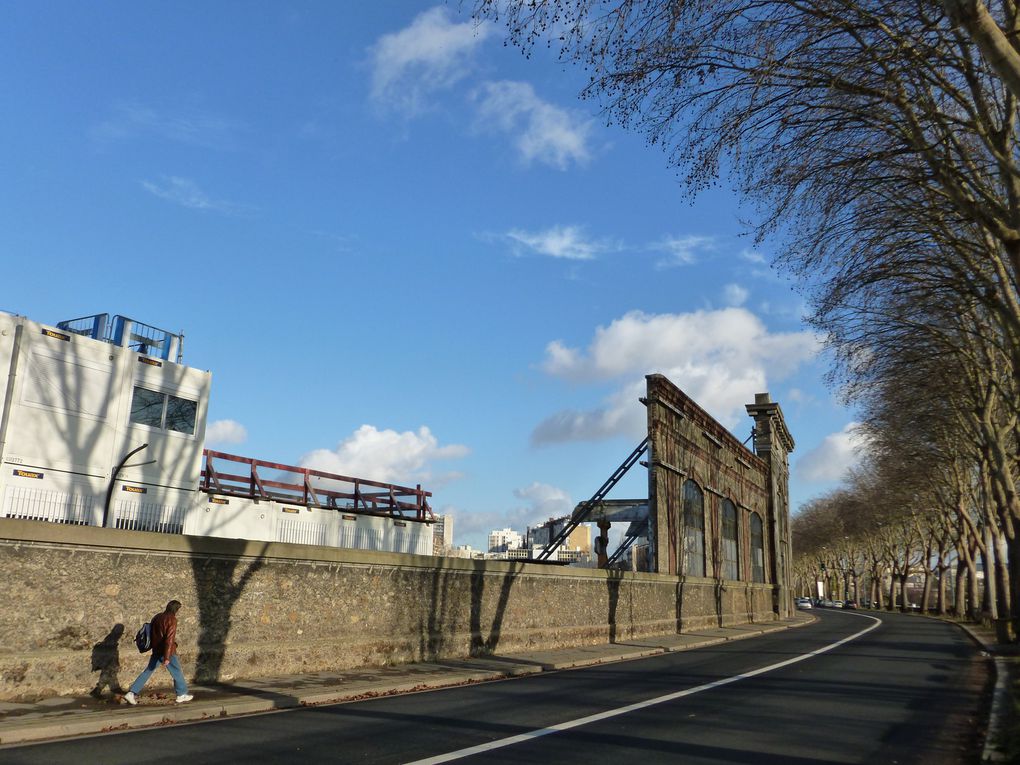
x: 128, y: 333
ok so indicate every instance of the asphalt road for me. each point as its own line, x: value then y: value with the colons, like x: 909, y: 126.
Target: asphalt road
x: 908, y: 691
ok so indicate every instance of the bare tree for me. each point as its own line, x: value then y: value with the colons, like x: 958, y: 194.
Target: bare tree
x: 879, y: 143
x: 995, y: 37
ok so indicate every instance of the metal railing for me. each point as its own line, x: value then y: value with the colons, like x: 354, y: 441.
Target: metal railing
x: 311, y: 488
x: 94, y: 326
x: 128, y: 333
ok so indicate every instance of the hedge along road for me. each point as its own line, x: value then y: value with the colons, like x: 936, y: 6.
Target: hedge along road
x: 852, y: 688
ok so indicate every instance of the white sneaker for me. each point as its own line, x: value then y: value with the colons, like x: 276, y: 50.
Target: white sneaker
x: 129, y: 697
x: 184, y: 698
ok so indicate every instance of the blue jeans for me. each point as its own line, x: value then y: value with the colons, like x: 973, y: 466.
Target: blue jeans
x: 174, y: 668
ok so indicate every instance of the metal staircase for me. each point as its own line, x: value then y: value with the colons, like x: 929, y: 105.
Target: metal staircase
x: 582, y: 511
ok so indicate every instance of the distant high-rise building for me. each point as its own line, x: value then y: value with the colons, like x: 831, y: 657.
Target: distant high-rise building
x: 501, y: 540
x: 442, y: 535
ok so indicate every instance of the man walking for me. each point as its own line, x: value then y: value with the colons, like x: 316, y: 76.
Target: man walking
x: 164, y: 651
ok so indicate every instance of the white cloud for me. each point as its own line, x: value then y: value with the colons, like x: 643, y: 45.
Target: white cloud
x: 185, y: 192
x: 385, y: 455
x: 622, y: 414
x: 196, y: 129
x: 798, y: 396
x: 682, y: 250
x: 540, y: 502
x: 643, y: 342
x: 544, y: 501
x: 225, y: 432
x: 719, y: 358
x: 753, y: 257
x: 831, y: 459
x: 412, y: 66
x: 432, y: 54
x: 543, y: 132
x: 567, y: 242
x: 735, y: 295
x: 473, y: 527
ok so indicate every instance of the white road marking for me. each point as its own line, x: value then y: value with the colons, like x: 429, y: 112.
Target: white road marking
x: 521, y: 737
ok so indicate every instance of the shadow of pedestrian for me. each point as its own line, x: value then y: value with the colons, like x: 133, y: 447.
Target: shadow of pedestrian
x: 106, y: 661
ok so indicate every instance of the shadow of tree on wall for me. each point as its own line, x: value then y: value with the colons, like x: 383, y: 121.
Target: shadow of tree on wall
x: 719, y: 605
x: 613, y: 579
x: 680, y: 604
x: 432, y: 641
x: 220, y: 580
x: 480, y: 646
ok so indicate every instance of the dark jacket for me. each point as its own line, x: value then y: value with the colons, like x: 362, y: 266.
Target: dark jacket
x: 164, y: 635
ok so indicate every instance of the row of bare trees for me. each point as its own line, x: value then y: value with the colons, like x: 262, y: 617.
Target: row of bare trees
x: 877, y: 140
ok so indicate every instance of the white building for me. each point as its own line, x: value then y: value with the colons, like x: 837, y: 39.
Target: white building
x: 101, y: 424
x: 501, y: 540
x: 442, y: 535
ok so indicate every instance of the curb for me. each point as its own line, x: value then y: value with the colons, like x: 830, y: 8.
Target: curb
x: 991, y: 751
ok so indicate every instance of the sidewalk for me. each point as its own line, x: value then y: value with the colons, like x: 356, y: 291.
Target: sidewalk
x: 1001, y: 715
x: 81, y: 715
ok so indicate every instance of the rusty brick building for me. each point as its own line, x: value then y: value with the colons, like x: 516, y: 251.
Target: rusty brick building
x: 719, y: 512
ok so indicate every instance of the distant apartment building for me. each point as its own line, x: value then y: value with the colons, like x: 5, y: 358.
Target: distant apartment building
x: 501, y: 540
x: 442, y: 535
x: 507, y: 544
x: 578, y: 541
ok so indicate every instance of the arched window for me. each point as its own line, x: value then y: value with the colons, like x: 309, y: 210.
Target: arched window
x: 694, y: 530
x: 730, y: 556
x: 757, y: 549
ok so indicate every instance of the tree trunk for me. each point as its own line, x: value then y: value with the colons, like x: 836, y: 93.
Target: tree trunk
x: 990, y: 39
x: 960, y: 594
x: 1014, y: 579
x: 1002, y: 577
x: 973, y: 594
x: 966, y: 603
x: 990, y: 601
x: 941, y: 595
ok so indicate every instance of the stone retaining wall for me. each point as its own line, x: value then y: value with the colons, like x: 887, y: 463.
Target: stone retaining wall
x: 254, y: 609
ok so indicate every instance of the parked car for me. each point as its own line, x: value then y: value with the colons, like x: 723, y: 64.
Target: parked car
x: 837, y: 604
x: 851, y: 604
x: 804, y: 603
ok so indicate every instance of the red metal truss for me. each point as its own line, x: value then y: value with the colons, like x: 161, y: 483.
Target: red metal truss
x: 305, y: 486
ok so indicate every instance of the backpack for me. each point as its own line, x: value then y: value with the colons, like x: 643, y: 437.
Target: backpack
x: 143, y: 638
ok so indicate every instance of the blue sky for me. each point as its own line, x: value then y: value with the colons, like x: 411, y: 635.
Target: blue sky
x: 405, y: 251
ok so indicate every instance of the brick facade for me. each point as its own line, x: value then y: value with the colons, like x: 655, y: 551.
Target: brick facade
x: 691, y: 452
